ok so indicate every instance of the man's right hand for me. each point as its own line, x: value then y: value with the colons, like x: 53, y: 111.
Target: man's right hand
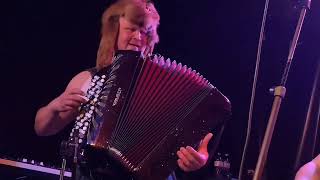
x: 69, y: 100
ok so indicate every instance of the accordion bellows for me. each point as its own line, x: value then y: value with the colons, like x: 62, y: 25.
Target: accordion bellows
x: 148, y: 109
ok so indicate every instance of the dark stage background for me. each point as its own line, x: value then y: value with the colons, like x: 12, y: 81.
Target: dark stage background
x: 44, y: 43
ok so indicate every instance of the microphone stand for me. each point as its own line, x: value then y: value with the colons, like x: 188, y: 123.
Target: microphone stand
x: 279, y: 93
x: 311, y: 124
x: 70, y: 150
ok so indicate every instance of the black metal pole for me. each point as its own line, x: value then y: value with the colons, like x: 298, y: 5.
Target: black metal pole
x: 310, y: 124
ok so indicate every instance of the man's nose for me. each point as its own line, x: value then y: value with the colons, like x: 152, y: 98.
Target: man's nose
x: 137, y: 35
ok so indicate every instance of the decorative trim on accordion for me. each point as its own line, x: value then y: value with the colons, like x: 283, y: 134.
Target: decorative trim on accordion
x: 167, y: 63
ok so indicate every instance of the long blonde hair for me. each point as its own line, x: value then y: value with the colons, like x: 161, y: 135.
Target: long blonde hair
x: 136, y: 11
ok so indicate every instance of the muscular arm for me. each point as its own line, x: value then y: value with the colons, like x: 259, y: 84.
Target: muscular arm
x: 309, y: 171
x: 53, y: 117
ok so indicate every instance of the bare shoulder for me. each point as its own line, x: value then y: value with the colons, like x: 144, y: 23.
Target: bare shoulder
x: 80, y: 80
x: 310, y: 170
x: 316, y: 161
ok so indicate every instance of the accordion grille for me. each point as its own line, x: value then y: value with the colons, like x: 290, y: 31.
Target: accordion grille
x: 163, y: 95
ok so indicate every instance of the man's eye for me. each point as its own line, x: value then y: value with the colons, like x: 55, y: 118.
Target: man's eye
x: 144, y: 32
x: 130, y: 29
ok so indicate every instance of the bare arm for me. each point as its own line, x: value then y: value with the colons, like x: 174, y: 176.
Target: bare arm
x: 53, y: 117
x: 309, y: 171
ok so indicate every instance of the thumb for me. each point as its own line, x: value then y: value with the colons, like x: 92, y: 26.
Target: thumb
x: 203, y: 148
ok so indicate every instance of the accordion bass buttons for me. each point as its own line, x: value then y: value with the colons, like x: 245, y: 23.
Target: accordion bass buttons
x: 136, y: 169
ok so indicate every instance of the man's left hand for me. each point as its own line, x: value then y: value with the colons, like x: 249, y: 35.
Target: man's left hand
x: 190, y: 159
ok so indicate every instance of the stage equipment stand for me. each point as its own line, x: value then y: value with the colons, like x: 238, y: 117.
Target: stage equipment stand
x: 310, y: 130
x: 279, y: 93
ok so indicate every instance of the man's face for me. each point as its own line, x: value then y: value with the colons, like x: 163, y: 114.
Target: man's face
x: 131, y: 36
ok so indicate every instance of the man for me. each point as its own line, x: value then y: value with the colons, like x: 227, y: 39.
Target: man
x: 126, y: 25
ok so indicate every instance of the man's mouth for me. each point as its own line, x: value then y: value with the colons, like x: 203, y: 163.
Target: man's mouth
x: 135, y: 47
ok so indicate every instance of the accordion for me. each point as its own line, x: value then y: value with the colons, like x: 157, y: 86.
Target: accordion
x: 143, y: 110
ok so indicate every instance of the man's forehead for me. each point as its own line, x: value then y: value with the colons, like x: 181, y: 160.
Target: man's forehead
x: 147, y: 24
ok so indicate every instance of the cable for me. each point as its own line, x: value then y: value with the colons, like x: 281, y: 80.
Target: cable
x: 254, y: 88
